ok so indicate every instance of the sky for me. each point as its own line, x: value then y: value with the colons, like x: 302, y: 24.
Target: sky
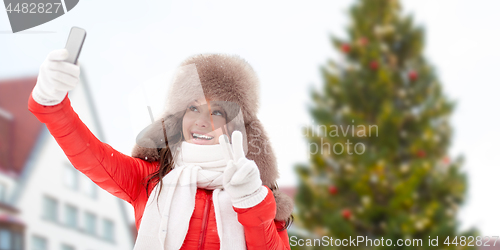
x: 286, y: 42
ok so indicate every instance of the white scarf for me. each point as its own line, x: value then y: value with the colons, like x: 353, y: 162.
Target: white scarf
x: 166, y: 220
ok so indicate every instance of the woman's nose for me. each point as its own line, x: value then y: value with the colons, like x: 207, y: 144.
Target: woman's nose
x: 203, y: 120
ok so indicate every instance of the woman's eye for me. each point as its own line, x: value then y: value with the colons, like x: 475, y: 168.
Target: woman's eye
x: 217, y: 112
x: 193, y: 108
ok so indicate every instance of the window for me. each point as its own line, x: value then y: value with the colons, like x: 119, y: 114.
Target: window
x: 90, y: 223
x: 108, y: 229
x: 5, y: 239
x: 71, y: 216
x: 67, y: 247
x: 38, y: 243
x: 70, y: 177
x: 90, y: 188
x: 10, y: 240
x: 18, y: 241
x: 50, y: 208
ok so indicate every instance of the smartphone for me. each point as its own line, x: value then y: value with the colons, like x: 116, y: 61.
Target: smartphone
x: 74, y: 44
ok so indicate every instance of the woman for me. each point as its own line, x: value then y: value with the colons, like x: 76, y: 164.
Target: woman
x: 230, y: 207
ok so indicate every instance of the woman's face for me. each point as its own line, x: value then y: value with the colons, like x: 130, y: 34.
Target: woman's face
x: 203, y: 123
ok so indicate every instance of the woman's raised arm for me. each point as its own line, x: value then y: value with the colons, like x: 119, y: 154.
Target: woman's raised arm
x: 119, y: 174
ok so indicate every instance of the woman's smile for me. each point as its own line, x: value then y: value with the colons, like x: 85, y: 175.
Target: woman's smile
x: 201, y: 138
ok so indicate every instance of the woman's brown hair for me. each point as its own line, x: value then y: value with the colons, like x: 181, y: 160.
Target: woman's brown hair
x: 166, y: 163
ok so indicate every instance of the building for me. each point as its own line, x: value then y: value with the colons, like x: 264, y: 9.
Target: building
x: 44, y: 202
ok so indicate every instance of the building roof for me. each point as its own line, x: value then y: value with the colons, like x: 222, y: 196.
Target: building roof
x: 8, y: 208
x: 11, y: 221
x: 19, y: 129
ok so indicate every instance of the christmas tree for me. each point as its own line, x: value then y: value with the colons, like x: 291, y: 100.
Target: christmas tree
x: 379, y: 163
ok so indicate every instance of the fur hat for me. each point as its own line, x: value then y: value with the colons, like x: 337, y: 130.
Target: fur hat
x: 224, y: 78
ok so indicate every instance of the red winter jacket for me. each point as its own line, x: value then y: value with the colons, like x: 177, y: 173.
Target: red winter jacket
x: 123, y: 176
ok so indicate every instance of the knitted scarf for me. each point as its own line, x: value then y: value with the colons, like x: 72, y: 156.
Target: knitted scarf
x: 165, y: 222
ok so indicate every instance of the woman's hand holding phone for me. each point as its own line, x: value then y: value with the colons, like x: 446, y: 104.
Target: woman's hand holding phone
x: 56, y: 77
x: 241, y: 178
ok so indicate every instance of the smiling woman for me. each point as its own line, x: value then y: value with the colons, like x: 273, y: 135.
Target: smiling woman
x: 216, y: 195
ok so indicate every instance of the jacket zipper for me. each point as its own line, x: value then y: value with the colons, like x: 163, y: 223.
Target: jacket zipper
x: 204, y: 224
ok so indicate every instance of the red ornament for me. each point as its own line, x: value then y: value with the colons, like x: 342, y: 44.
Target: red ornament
x: 333, y: 190
x: 446, y: 160
x: 413, y: 75
x: 345, y: 48
x: 363, y: 41
x: 346, y: 213
x: 421, y: 153
x: 374, y: 65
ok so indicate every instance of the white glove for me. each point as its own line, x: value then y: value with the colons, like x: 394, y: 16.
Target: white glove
x: 241, y: 178
x: 55, y: 79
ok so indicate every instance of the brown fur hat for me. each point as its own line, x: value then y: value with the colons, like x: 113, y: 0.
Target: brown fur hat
x: 224, y: 78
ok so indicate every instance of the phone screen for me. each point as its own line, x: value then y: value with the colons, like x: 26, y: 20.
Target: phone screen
x: 75, y: 43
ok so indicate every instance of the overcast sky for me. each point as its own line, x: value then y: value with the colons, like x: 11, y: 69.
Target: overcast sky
x: 286, y: 42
